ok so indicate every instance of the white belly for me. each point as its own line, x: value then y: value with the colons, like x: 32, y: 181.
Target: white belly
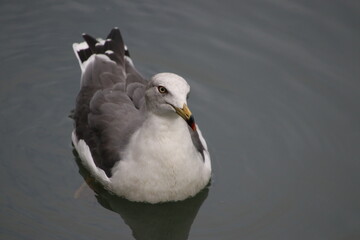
x: 161, y: 164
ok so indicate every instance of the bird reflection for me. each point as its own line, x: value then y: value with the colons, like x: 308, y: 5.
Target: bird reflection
x: 170, y: 220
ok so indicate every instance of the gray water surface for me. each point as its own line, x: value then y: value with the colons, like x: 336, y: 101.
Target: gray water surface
x: 275, y: 88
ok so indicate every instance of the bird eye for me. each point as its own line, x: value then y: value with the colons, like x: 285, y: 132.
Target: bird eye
x: 162, y: 89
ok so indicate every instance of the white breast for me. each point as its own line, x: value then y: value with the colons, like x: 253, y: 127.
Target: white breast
x: 161, y: 163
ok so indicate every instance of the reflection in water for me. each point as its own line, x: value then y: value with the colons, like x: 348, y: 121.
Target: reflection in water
x: 170, y: 220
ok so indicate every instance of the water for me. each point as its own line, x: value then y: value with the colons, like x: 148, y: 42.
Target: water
x: 275, y: 90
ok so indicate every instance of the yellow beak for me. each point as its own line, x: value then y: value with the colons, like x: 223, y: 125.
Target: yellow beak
x: 186, y: 114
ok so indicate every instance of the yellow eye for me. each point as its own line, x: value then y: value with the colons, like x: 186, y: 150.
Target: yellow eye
x: 162, y: 89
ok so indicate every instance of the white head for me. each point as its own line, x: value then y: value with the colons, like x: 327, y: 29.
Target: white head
x: 167, y: 93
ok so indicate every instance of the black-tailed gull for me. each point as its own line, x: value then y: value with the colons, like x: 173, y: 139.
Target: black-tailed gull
x: 136, y: 137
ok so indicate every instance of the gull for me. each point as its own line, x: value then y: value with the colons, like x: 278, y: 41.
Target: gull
x: 136, y: 137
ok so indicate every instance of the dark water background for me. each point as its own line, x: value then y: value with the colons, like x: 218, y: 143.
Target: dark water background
x: 275, y: 90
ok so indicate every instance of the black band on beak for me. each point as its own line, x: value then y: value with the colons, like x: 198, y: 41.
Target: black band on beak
x: 191, y: 122
x: 186, y: 115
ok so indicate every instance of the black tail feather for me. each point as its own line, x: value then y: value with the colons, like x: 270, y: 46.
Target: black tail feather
x: 127, y: 53
x: 99, y: 48
x: 117, y: 44
x: 91, y: 42
x: 84, y: 54
x: 113, y: 47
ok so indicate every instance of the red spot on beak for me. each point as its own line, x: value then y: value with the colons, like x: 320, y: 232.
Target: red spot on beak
x: 193, y: 126
x: 191, y: 123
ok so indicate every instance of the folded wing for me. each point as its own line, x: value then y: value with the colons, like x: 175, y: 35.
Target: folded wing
x: 110, y: 102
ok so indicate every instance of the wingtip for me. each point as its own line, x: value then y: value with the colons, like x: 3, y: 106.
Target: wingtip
x: 91, y: 45
x: 115, y: 32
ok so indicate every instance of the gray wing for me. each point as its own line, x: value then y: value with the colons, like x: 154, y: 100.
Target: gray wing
x: 197, y: 142
x: 109, y: 105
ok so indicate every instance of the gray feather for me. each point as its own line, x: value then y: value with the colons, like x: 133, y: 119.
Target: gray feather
x: 109, y: 106
x: 197, y: 142
x: 105, y: 115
